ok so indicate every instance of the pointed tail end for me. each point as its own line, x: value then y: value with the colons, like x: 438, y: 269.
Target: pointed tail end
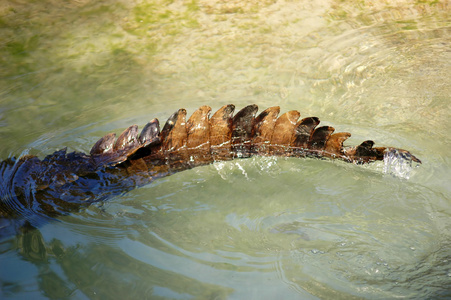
x: 398, y: 162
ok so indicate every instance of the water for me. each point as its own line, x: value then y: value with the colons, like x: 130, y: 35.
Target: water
x: 258, y: 228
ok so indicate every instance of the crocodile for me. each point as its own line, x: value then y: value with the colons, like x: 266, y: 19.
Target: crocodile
x: 64, y: 182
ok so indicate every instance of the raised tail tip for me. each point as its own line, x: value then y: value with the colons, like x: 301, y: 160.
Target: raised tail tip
x: 401, y: 154
x: 398, y: 162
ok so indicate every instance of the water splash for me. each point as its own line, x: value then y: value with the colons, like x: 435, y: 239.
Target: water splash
x: 398, y: 163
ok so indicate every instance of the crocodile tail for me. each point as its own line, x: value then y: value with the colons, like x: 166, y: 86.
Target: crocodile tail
x: 223, y: 136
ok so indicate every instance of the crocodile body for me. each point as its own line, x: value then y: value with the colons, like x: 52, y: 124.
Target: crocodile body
x: 64, y: 182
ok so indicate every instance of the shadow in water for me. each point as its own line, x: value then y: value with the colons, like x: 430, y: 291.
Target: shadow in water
x: 65, y: 272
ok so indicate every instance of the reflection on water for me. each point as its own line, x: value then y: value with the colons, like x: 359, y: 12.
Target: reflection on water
x: 98, y: 271
x: 255, y: 228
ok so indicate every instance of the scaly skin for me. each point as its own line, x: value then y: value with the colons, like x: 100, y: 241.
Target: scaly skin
x: 63, y: 182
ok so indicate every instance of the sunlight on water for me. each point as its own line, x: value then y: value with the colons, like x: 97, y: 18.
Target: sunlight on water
x: 257, y: 228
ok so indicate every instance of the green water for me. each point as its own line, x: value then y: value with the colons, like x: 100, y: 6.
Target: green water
x: 261, y: 228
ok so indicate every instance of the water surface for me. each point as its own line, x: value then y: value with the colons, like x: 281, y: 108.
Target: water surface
x: 259, y: 228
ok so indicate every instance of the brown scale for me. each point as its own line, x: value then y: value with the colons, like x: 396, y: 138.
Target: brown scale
x: 334, y: 145
x: 221, y: 133
x: 319, y: 138
x: 198, y: 129
x: 263, y: 130
x: 283, y: 133
x: 242, y: 131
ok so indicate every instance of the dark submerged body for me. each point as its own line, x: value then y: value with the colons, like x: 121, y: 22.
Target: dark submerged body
x: 33, y: 190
